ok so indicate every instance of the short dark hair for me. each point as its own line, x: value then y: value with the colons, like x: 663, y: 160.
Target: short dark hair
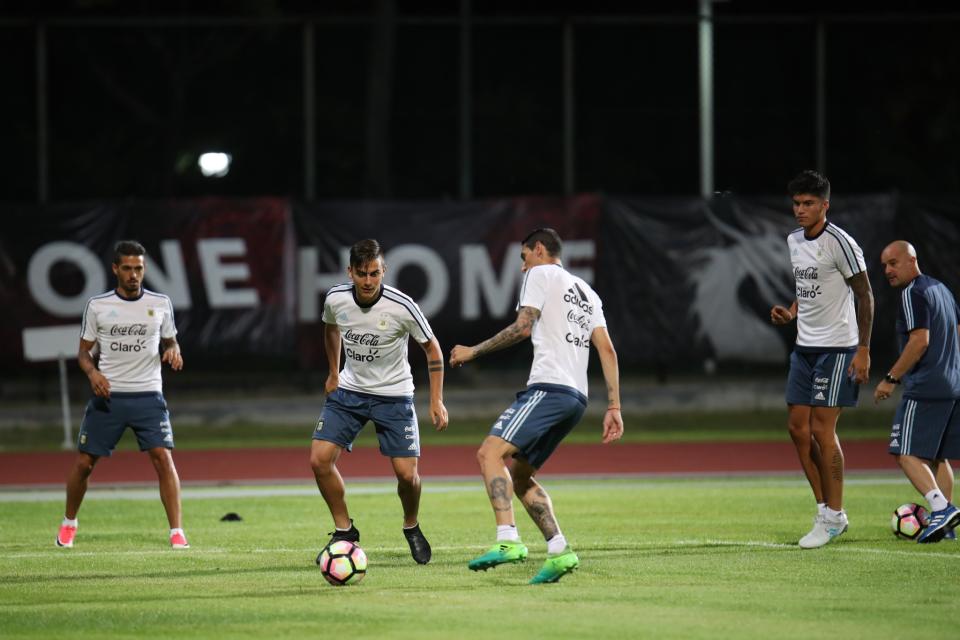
x: 365, y: 251
x: 549, y: 238
x: 127, y: 248
x: 811, y: 182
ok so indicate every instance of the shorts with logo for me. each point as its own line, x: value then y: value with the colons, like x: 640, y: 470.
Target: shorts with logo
x: 539, y: 420
x: 394, y: 417
x: 105, y: 419
x: 928, y: 429
x: 819, y: 379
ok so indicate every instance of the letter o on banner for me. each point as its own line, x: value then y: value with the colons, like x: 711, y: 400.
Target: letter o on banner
x: 38, y: 277
x: 433, y: 267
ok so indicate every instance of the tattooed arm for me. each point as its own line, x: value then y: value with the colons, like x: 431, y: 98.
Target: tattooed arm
x: 516, y: 332
x: 860, y: 367
x: 438, y: 412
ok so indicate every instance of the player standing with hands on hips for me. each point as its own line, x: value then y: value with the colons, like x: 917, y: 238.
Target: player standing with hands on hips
x: 374, y: 322
x: 832, y: 354
x: 563, y: 316
x: 131, y: 327
x: 926, y: 429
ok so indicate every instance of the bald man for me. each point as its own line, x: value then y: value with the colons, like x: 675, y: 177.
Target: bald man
x: 926, y: 428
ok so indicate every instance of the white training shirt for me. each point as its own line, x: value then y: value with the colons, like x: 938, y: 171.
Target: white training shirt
x: 569, y: 312
x: 128, y: 333
x: 375, y: 339
x: 826, y: 313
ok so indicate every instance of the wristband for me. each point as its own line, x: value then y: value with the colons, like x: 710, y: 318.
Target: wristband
x: 889, y: 378
x: 612, y: 408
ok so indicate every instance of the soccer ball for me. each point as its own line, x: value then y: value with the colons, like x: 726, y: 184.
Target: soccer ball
x: 342, y: 562
x: 909, y: 520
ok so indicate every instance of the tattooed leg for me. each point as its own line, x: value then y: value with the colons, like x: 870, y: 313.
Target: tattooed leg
x: 496, y: 477
x: 535, y: 499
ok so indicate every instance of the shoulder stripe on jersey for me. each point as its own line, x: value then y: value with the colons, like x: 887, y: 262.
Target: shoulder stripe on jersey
x: 339, y: 288
x: 907, y: 307
x: 523, y: 287
x: 407, y: 303
x: 845, y: 247
x: 83, y: 322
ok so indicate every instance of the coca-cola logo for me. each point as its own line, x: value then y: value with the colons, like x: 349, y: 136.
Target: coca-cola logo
x: 810, y: 273
x: 366, y: 339
x: 582, y: 320
x: 138, y: 329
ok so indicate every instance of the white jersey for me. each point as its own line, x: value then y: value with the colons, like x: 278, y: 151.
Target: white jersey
x: 375, y: 339
x: 826, y: 314
x: 569, y: 312
x: 128, y: 334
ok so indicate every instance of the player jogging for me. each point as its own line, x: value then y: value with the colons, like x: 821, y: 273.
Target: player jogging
x: 130, y: 327
x: 563, y: 317
x: 374, y: 323
x: 926, y: 428
x: 832, y: 353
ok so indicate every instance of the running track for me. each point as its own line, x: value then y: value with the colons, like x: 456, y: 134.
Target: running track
x: 291, y: 464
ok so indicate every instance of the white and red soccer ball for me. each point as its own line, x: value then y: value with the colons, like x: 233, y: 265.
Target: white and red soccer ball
x: 909, y: 520
x: 342, y: 562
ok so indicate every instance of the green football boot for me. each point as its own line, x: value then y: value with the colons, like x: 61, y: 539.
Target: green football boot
x: 556, y: 566
x: 503, y: 552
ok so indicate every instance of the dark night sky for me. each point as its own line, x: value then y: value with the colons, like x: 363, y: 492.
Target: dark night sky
x: 131, y: 104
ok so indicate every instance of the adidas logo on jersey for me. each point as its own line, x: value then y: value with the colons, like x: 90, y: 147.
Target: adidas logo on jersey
x: 498, y: 425
x: 413, y: 447
x: 819, y: 396
x: 894, y: 443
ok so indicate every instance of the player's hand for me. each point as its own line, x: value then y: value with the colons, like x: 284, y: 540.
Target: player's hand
x: 859, y: 368
x: 883, y: 391
x: 99, y: 384
x: 612, y: 426
x: 439, y: 415
x: 333, y: 381
x: 780, y: 315
x: 460, y: 355
x: 173, y: 357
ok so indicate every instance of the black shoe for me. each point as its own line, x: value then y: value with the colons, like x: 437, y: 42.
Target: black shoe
x: 419, y: 547
x: 350, y: 535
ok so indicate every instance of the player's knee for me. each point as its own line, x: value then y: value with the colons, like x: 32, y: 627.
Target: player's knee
x: 407, y: 478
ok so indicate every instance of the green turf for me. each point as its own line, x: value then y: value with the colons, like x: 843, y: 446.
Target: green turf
x: 745, y: 425
x: 707, y: 558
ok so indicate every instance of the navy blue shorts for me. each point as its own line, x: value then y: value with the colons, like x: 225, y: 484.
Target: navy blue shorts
x: 106, y: 418
x: 539, y: 420
x: 819, y: 379
x: 395, y: 418
x: 928, y: 429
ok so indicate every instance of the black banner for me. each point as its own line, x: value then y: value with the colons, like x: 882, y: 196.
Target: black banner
x: 685, y: 282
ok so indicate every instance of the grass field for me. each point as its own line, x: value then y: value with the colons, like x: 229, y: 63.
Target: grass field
x: 746, y: 425
x: 697, y: 558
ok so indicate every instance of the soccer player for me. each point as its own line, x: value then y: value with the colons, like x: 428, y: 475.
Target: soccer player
x: 832, y: 353
x: 563, y: 317
x: 374, y: 322
x: 133, y: 330
x: 926, y: 428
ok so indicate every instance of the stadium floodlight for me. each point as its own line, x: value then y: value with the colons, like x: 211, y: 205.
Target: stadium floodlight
x: 214, y: 164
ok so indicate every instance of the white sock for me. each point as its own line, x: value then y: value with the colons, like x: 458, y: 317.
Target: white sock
x: 831, y: 514
x: 556, y: 544
x: 67, y: 522
x: 507, y: 532
x: 173, y: 532
x: 821, y: 508
x: 936, y: 500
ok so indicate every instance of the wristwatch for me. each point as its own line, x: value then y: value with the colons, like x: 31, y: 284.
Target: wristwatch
x: 889, y: 378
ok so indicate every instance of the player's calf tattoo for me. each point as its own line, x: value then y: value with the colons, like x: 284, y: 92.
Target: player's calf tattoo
x: 499, y: 493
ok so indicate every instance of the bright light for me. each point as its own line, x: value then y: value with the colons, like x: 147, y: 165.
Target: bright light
x: 214, y: 164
